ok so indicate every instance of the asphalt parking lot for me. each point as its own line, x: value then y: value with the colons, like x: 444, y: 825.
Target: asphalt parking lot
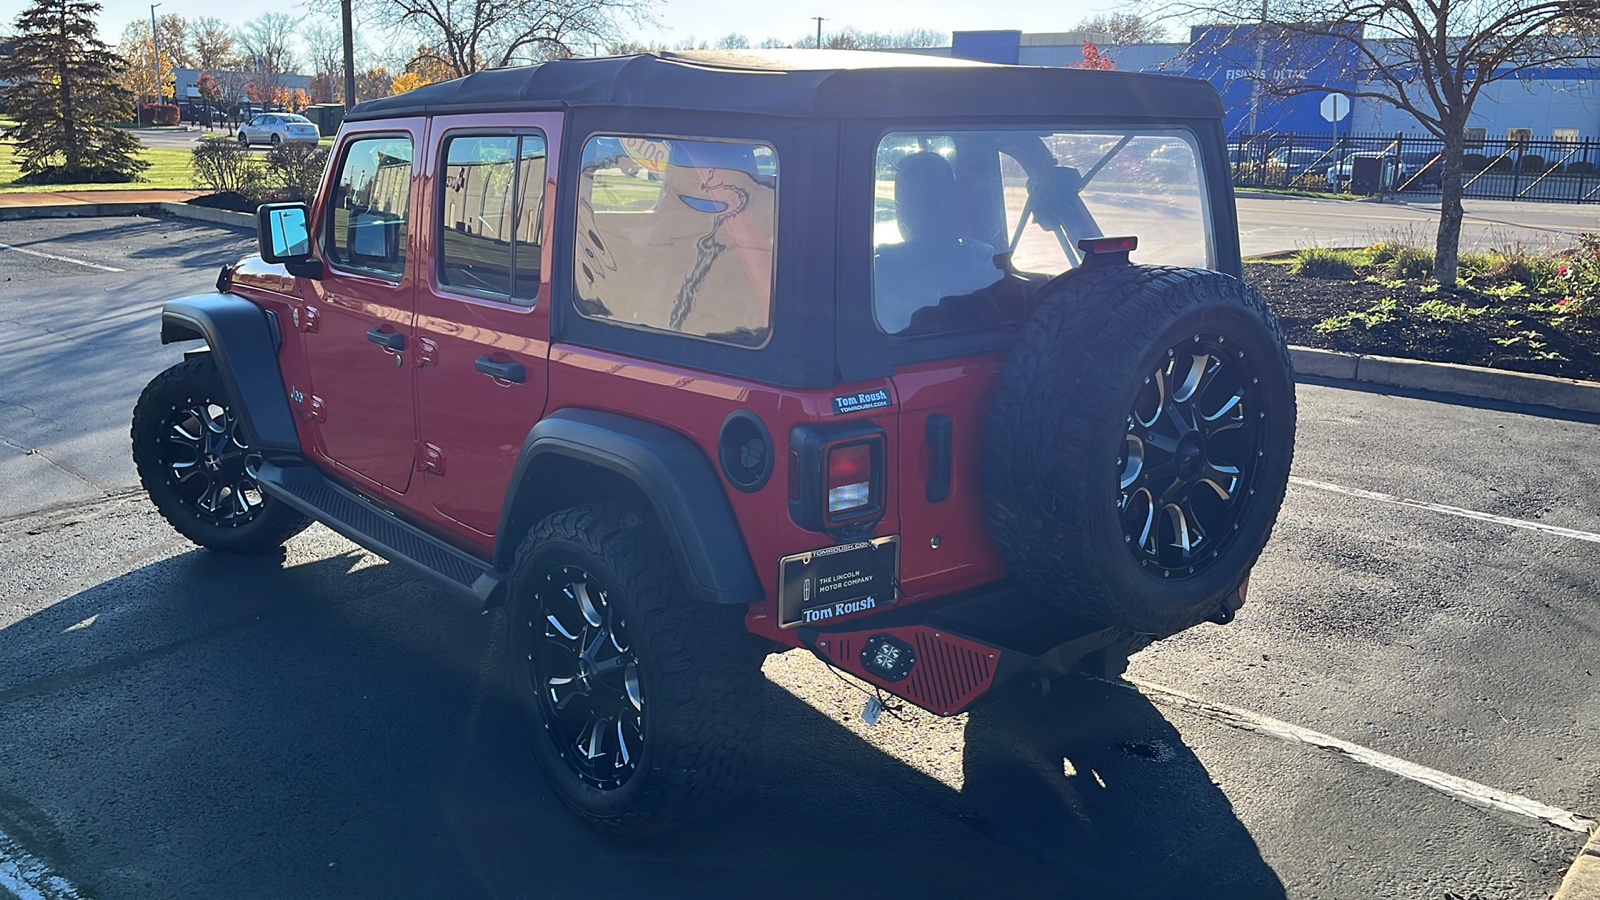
x: 1408, y: 707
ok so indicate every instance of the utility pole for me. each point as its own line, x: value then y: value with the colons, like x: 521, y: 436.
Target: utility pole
x: 349, y: 56
x: 819, y: 31
x: 155, y: 47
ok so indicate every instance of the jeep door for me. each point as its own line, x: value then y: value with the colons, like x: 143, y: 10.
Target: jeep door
x: 483, y: 307
x: 358, y: 316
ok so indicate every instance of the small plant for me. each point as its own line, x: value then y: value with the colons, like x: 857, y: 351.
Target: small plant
x: 1322, y: 262
x: 1440, y: 311
x: 1380, y: 313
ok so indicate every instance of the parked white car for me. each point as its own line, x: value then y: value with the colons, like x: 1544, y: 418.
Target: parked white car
x: 276, y: 128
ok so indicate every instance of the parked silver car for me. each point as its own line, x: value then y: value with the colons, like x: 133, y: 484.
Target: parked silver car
x: 276, y: 128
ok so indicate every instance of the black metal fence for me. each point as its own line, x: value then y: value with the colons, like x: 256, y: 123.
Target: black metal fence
x: 1501, y: 168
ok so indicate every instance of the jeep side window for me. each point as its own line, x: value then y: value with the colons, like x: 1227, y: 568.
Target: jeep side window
x: 678, y: 235
x: 491, y: 199
x: 368, y: 212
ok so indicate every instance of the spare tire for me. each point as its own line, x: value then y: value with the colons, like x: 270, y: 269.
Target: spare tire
x: 1139, y: 444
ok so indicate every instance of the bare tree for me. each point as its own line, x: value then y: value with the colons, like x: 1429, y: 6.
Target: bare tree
x: 211, y: 43
x: 1122, y: 29
x: 734, y: 41
x: 267, y: 45
x: 1430, y: 58
x: 852, y: 38
x: 325, y: 47
x: 469, y: 35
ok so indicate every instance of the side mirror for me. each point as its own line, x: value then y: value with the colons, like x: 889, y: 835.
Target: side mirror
x: 284, y: 237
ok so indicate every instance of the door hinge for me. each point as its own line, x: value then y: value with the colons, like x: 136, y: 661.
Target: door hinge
x: 427, y: 353
x: 429, y: 458
x: 316, y: 413
x: 306, y: 318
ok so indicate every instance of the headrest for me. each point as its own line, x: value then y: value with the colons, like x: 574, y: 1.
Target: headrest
x: 927, y: 204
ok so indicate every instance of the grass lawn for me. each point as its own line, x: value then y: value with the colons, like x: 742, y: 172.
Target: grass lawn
x: 169, y: 170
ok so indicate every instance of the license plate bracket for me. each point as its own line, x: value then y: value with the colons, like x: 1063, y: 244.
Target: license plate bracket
x: 821, y: 586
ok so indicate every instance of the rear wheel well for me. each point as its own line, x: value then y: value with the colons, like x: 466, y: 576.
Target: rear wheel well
x: 554, y: 482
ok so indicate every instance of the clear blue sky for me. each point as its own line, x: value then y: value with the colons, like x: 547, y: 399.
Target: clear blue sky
x: 711, y: 19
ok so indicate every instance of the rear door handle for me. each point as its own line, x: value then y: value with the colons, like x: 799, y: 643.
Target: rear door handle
x: 940, y: 438
x: 511, y: 371
x: 390, y: 340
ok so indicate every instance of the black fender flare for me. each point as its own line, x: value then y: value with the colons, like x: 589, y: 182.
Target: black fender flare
x: 667, y: 468
x: 244, y: 341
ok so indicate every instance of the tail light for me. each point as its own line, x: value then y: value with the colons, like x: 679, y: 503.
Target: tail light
x: 837, y: 477
x: 849, y: 478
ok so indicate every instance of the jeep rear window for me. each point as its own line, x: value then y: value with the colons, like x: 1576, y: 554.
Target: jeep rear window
x: 969, y: 224
x: 369, y: 207
x: 491, y: 207
x: 677, y: 235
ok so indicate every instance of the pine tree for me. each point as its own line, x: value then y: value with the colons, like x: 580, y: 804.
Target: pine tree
x: 62, y: 86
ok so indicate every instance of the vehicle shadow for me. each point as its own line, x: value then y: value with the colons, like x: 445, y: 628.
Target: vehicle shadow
x: 213, y: 725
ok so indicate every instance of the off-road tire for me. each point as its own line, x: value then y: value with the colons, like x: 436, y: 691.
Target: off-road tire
x: 196, y: 381
x: 1063, y: 415
x: 698, y: 666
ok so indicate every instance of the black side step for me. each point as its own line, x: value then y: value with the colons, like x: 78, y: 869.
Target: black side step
x: 363, y: 521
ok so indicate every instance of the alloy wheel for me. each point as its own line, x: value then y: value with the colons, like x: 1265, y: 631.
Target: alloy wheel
x: 209, y: 463
x: 586, y: 675
x: 1188, y: 460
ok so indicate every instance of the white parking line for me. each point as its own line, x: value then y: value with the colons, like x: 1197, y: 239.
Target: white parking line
x: 1460, y: 788
x: 1449, y: 510
x: 66, y: 259
x: 28, y: 877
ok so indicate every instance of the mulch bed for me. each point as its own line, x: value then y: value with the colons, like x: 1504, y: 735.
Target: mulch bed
x: 226, y: 200
x: 1508, y: 336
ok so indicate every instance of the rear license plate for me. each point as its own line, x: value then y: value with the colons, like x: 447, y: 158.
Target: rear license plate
x: 824, y: 585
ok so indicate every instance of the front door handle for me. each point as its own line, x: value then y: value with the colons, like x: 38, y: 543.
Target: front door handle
x: 511, y: 371
x: 390, y: 340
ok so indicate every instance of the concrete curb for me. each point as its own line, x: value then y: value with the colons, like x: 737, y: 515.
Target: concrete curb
x: 207, y: 214
x: 1583, y: 876
x: 82, y: 210
x: 1449, y: 378
x: 76, y: 210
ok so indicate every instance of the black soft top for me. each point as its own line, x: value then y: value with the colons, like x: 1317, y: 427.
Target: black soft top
x: 827, y: 83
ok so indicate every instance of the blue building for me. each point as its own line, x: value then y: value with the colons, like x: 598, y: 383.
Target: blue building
x: 1560, y: 104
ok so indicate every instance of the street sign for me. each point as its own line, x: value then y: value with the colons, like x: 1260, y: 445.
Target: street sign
x: 1335, y: 107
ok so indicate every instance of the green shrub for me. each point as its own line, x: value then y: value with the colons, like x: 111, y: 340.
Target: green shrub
x: 1321, y: 262
x: 1396, y: 260
x: 227, y: 167
x: 294, y: 170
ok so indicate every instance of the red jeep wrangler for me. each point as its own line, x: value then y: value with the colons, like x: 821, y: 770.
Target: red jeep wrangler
x: 941, y: 371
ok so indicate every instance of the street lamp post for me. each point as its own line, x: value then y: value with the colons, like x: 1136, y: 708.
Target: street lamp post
x: 819, y: 31
x: 155, y: 47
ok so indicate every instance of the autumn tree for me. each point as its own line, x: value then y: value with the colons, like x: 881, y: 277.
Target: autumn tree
x: 1431, y: 58
x: 211, y: 43
x: 374, y: 83
x: 1122, y: 29
x: 140, y: 76
x: 1094, y: 59
x: 61, y: 84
